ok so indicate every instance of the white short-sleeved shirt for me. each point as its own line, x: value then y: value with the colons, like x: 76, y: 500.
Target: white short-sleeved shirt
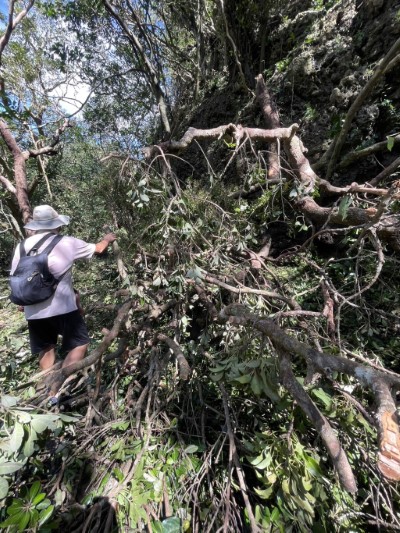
x: 60, y: 261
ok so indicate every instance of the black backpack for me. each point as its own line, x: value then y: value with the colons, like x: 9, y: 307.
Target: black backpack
x: 32, y: 281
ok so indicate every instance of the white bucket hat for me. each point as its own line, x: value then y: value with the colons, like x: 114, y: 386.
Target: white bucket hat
x: 45, y: 217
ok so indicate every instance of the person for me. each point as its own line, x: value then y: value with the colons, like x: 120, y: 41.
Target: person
x: 60, y: 314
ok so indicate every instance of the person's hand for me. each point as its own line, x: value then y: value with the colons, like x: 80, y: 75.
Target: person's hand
x: 110, y: 237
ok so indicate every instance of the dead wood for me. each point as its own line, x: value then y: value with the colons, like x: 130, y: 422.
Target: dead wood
x: 57, y: 377
x: 320, y: 422
x: 272, y: 121
x: 184, y: 368
x: 236, y: 132
x: 378, y: 381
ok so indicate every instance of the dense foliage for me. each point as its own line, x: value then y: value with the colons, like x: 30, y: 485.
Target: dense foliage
x: 194, y: 414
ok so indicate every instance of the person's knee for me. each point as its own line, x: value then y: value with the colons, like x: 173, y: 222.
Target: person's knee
x: 47, y: 357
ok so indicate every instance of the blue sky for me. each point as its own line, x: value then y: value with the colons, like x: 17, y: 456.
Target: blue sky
x: 4, y: 6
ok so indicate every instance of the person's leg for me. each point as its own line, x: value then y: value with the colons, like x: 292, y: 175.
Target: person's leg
x: 43, y: 339
x: 76, y: 354
x: 47, y: 358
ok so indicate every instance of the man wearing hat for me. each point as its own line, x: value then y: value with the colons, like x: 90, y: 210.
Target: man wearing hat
x: 59, y: 314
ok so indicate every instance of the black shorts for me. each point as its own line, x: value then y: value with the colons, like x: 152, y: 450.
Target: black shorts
x: 43, y: 332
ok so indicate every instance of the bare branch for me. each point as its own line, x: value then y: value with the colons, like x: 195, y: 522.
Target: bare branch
x: 12, y: 23
x: 320, y: 422
x: 184, y: 368
x: 232, y: 130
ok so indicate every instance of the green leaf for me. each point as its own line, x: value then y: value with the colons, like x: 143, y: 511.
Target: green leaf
x: 216, y: 377
x: 192, y: 449
x: 13, y: 519
x: 264, y: 463
x: 45, y: 515
x: 38, y: 499
x: 33, y: 491
x: 244, y: 379
x: 24, y: 521
x: 344, y: 206
x: 42, y: 422
x: 285, y: 486
x: 171, y: 525
x: 9, y: 468
x: 8, y: 401
x: 390, y: 143
x: 16, y: 437
x: 312, y: 466
x: 323, y: 396
x: 3, y: 488
x: 269, y: 388
x: 29, y: 446
x: 265, y: 494
x: 43, y: 504
x: 69, y: 418
x: 256, y: 460
x: 256, y: 385
x: 24, y: 418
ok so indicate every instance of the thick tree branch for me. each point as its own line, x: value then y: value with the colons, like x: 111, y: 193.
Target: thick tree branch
x: 232, y: 130
x: 378, y: 381
x: 59, y: 376
x: 325, y: 430
x: 184, y: 368
x: 272, y: 121
x: 19, y: 171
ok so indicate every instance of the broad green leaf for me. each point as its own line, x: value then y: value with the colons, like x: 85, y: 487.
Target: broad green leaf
x: 13, y: 519
x: 43, y: 504
x: 265, y: 494
x: 42, y: 422
x: 192, y: 448
x: 40, y: 497
x: 8, y: 401
x: 275, y: 514
x: 264, y: 463
x: 70, y: 418
x: 390, y: 143
x: 244, y: 379
x: 29, y: 446
x: 304, y: 504
x: 34, y: 490
x: 256, y: 385
x: 285, y: 486
x: 24, y: 521
x: 269, y: 388
x: 3, y: 488
x: 16, y: 437
x: 9, y: 468
x: 323, y: 396
x: 45, y: 515
x: 171, y: 525
x: 24, y: 418
x: 306, y: 484
x: 312, y: 466
x: 257, y: 460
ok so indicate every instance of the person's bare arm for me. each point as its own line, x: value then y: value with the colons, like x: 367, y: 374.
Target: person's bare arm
x: 102, y: 246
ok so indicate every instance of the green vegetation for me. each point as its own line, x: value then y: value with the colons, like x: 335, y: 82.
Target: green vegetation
x: 278, y: 294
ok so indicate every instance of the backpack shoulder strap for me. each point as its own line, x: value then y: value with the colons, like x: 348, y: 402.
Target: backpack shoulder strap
x: 51, y: 245
x: 35, y: 246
